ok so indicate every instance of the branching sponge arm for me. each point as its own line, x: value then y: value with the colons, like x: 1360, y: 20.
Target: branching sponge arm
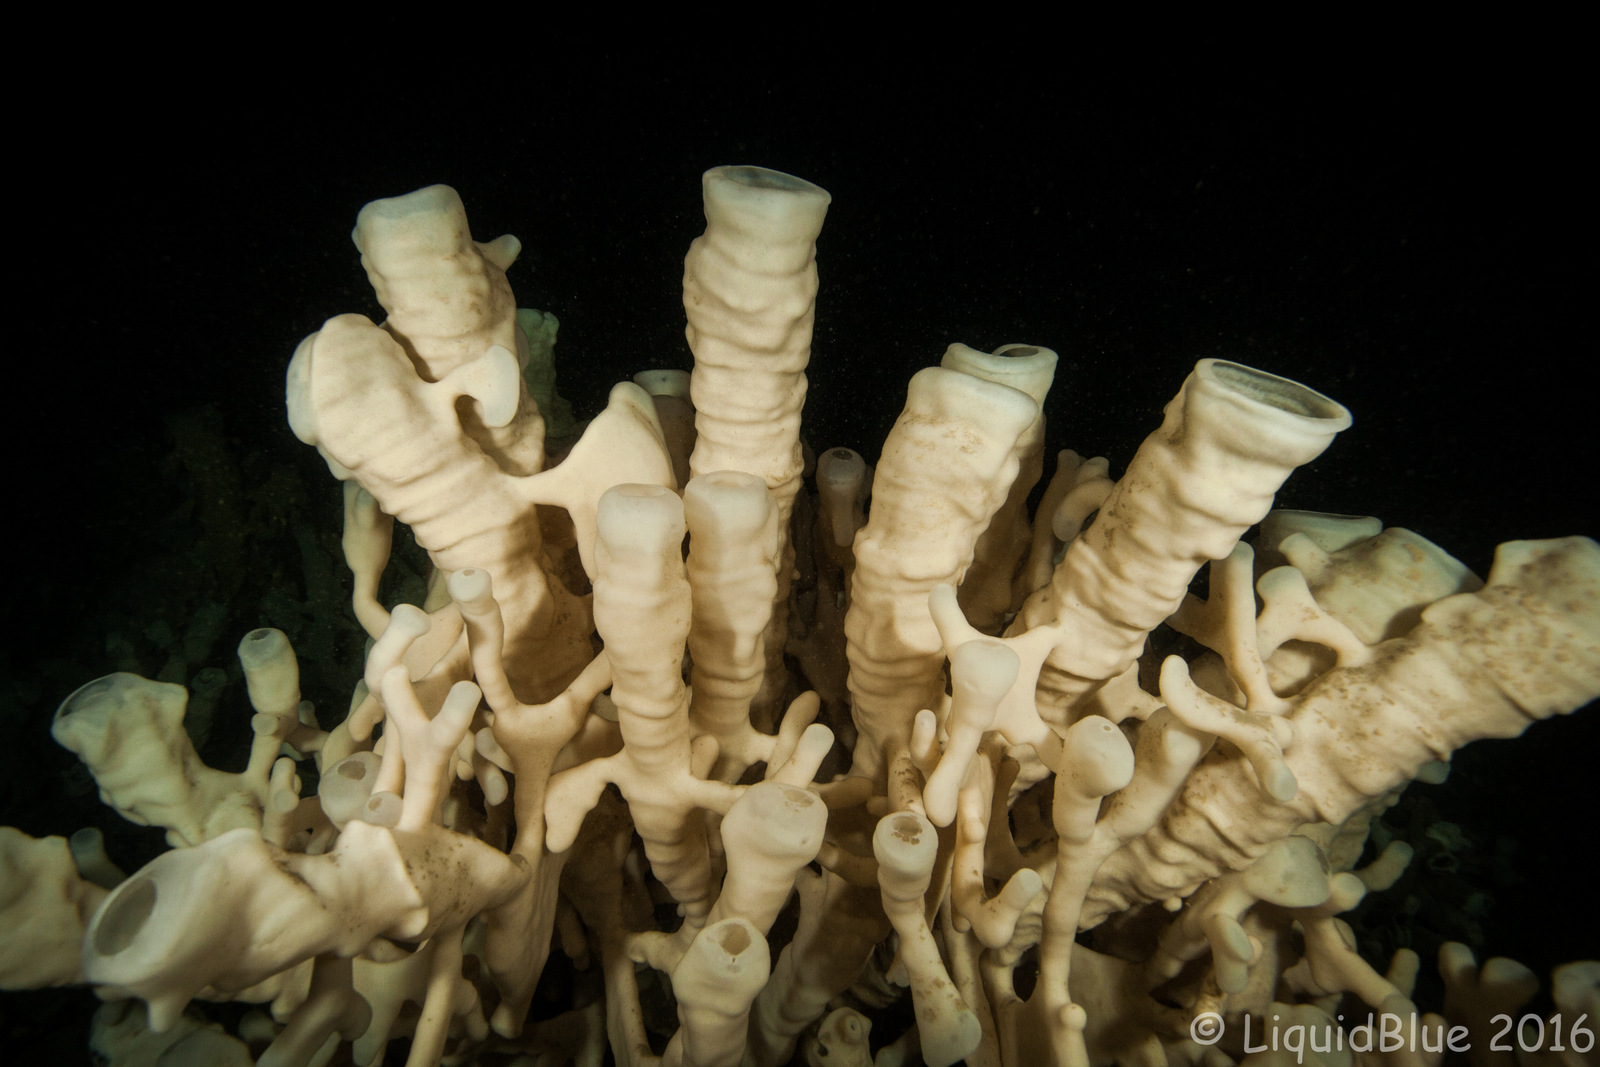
x: 1484, y: 664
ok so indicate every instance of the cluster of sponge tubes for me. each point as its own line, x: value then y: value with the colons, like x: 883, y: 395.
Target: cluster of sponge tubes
x: 1005, y: 764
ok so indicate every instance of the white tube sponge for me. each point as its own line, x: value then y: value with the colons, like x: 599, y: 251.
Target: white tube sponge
x: 945, y: 470
x: 237, y: 910
x: 355, y: 394
x: 842, y: 483
x: 749, y: 292
x: 445, y: 293
x: 1230, y: 438
x: 344, y: 789
x: 733, y: 553
x: 88, y: 848
x: 273, y: 676
x: 451, y: 309
x: 987, y: 590
x: 642, y: 610
x: 45, y: 907
x: 769, y: 834
x: 1094, y: 762
x: 715, y: 983
x: 906, y: 846
x: 840, y: 924
x: 1486, y: 664
x: 129, y: 732
x: 429, y: 413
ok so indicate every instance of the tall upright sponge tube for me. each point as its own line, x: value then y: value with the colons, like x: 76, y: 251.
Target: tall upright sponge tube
x: 642, y: 610
x: 429, y: 414
x: 945, y: 470
x: 445, y: 293
x: 1230, y: 438
x: 733, y: 543
x: 749, y: 292
x: 986, y: 593
x: 715, y: 983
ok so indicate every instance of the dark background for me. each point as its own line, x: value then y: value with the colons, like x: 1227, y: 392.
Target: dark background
x: 1417, y: 247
